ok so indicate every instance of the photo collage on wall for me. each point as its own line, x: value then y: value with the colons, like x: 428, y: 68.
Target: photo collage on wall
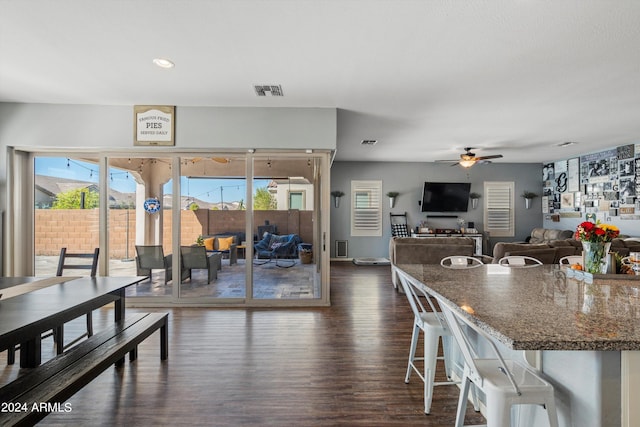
x: 601, y: 185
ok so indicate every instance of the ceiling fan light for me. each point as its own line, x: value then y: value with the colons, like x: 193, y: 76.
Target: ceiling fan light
x: 467, y: 163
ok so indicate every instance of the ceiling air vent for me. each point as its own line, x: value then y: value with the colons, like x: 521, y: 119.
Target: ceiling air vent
x: 369, y: 142
x: 274, y: 90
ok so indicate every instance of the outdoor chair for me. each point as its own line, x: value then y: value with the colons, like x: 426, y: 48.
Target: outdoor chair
x: 196, y: 257
x: 151, y: 258
x: 278, y: 248
x: 225, y: 244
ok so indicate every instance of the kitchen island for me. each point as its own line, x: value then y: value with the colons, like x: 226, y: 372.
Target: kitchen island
x: 587, y: 335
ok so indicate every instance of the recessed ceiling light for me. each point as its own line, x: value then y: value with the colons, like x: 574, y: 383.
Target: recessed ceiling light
x: 163, y: 63
x: 369, y: 142
x: 566, y: 144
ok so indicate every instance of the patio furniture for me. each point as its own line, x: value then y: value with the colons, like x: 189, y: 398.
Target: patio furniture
x: 225, y: 244
x: 278, y: 248
x: 196, y: 257
x: 151, y: 258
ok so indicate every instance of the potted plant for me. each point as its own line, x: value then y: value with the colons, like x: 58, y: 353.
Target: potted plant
x: 336, y: 197
x: 528, y: 196
x: 474, y: 199
x: 392, y: 198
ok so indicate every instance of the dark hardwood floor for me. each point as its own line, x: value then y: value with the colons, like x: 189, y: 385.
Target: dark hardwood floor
x: 338, y: 366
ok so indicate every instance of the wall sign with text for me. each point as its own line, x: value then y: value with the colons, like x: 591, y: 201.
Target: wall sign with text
x: 153, y: 125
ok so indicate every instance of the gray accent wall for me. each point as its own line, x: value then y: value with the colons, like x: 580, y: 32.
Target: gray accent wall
x: 408, y: 179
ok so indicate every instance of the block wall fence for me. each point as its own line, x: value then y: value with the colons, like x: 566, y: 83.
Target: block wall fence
x: 77, y: 229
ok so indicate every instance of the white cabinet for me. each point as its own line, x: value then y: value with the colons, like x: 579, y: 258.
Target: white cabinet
x: 476, y: 237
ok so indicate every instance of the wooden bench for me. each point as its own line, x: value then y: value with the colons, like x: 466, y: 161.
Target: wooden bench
x: 56, y: 380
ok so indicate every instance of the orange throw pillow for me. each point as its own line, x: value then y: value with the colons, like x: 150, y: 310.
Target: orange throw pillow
x: 208, y: 243
x: 224, y: 243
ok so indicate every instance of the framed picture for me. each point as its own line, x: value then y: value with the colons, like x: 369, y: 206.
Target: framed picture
x: 153, y: 125
x: 566, y: 201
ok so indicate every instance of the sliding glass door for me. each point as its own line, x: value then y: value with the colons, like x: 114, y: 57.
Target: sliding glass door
x: 284, y: 217
x: 255, y: 221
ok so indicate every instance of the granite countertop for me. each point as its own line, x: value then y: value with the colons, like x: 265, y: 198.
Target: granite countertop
x: 540, y: 308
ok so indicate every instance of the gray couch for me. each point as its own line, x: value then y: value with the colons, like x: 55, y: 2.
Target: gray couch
x: 414, y: 250
x: 546, y: 235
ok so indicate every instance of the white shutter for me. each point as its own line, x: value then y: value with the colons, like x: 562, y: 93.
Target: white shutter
x: 499, y: 209
x: 366, y: 208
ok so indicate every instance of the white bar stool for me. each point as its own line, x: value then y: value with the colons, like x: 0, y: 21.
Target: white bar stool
x: 434, y: 327
x: 504, y: 382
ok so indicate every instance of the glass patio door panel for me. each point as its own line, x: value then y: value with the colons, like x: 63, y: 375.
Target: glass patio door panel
x: 66, y: 214
x: 140, y: 215
x: 213, y: 223
x: 284, y: 215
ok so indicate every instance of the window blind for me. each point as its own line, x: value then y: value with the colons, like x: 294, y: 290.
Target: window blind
x: 499, y: 209
x: 366, y: 208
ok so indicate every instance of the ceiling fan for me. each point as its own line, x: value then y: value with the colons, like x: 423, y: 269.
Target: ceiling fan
x: 469, y: 159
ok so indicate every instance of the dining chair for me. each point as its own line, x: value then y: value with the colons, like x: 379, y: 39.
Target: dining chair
x: 434, y: 327
x: 70, y: 261
x: 505, y: 382
x: 519, y: 261
x: 570, y: 259
x: 460, y: 261
x: 79, y: 261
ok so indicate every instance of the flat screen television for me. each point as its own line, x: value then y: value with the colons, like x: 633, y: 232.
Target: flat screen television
x: 445, y: 196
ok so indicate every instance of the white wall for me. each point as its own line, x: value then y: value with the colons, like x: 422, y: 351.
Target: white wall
x: 110, y: 128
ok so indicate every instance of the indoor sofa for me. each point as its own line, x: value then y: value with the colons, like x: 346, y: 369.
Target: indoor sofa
x: 431, y: 250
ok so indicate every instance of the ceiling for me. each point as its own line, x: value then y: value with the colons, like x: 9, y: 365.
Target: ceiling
x: 423, y: 78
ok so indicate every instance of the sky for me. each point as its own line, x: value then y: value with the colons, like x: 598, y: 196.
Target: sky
x: 209, y: 190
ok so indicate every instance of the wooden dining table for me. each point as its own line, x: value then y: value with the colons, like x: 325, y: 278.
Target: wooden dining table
x: 585, y: 331
x: 47, y: 303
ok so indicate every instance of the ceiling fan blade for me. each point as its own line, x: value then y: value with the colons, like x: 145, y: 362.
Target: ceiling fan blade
x: 496, y: 156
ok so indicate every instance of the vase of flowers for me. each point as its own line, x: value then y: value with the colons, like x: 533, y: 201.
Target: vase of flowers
x: 596, y: 241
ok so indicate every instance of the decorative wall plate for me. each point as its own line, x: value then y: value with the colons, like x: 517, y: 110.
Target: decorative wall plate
x: 152, y: 205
